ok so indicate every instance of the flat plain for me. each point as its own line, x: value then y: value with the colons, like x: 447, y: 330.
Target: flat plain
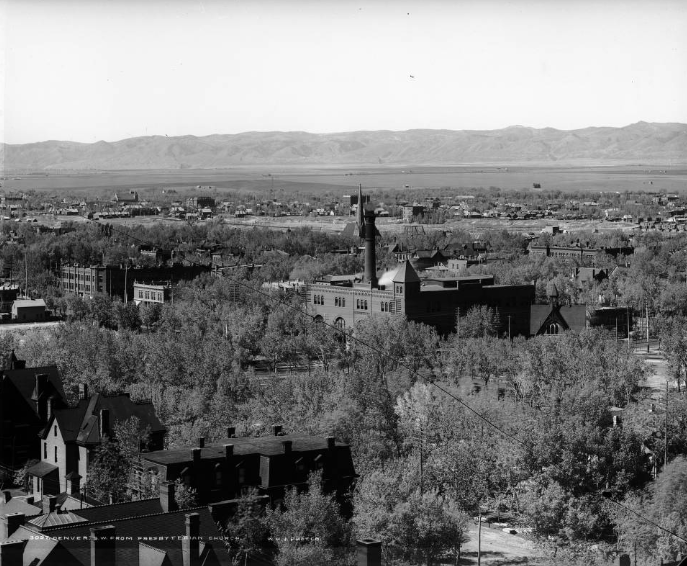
x: 282, y: 180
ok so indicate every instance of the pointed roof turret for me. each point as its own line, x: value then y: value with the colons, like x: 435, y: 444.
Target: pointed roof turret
x: 406, y: 274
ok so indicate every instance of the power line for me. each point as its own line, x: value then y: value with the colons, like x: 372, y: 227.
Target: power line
x: 416, y: 374
x: 359, y: 341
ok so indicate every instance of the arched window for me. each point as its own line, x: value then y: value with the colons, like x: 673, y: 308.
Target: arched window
x: 343, y: 301
x: 552, y: 328
x: 218, y: 475
x: 340, y: 323
x: 336, y: 301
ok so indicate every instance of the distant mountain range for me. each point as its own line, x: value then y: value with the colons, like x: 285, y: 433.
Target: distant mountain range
x: 638, y: 143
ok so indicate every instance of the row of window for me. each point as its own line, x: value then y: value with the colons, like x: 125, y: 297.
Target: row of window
x: 339, y: 301
x: 386, y: 307
x: 150, y: 295
x: 318, y: 299
x: 361, y: 304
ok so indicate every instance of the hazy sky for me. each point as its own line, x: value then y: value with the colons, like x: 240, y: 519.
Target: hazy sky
x: 89, y: 70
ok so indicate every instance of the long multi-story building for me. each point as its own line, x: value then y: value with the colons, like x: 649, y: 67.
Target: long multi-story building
x: 578, y: 252
x: 343, y: 300
x: 118, y: 280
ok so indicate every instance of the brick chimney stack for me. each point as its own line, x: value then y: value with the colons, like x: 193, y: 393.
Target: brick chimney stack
x: 167, y: 500
x: 103, y: 546
x: 190, y: 544
x: 369, y: 552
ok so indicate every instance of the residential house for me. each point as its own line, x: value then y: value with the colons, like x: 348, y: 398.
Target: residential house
x: 585, y: 277
x: 70, y: 436
x: 139, y: 533
x: 28, y: 396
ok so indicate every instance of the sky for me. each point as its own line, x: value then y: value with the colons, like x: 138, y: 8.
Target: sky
x: 90, y: 70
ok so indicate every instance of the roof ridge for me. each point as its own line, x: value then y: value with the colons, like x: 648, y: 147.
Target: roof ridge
x: 120, y: 519
x: 124, y: 502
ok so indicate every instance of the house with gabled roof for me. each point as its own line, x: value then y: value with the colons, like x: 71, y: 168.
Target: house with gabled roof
x: 28, y: 396
x: 71, y: 435
x: 142, y: 533
x: 554, y: 318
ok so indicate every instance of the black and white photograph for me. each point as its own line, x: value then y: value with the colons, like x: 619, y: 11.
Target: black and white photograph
x: 343, y: 283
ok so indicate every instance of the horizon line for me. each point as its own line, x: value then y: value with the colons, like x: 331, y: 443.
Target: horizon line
x: 341, y: 132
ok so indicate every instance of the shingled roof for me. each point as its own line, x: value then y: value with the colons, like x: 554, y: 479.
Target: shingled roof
x: 81, y: 423
x: 24, y: 380
x: 406, y: 274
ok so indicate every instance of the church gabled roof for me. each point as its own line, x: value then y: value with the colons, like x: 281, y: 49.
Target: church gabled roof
x: 406, y: 274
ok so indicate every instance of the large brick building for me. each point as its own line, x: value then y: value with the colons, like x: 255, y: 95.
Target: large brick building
x: 343, y: 300
x: 114, y: 279
x: 269, y: 464
x: 578, y: 252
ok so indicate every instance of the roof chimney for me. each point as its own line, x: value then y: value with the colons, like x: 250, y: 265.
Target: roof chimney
x: 73, y: 483
x: 201, y: 442
x: 167, y: 500
x: 104, y: 423
x: 10, y: 523
x: 6, y: 496
x: 190, y: 544
x: 331, y: 442
x: 49, y: 408
x: 287, y: 444
x: 52, y: 503
x: 195, y: 452
x: 83, y: 391
x: 231, y: 432
x: 276, y: 430
x: 41, y: 382
x: 369, y: 552
x: 12, y: 553
x: 103, y: 546
x: 228, y: 451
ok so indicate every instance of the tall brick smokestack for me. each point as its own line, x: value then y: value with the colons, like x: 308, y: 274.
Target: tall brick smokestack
x: 360, y: 220
x: 370, y: 259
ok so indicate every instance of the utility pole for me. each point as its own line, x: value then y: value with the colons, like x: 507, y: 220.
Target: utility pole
x: 627, y: 310
x: 665, y: 447
x: 647, y: 326
x: 479, y: 539
x: 422, y: 478
x: 26, y: 272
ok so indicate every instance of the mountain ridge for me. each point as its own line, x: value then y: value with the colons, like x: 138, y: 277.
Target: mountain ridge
x: 642, y: 142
